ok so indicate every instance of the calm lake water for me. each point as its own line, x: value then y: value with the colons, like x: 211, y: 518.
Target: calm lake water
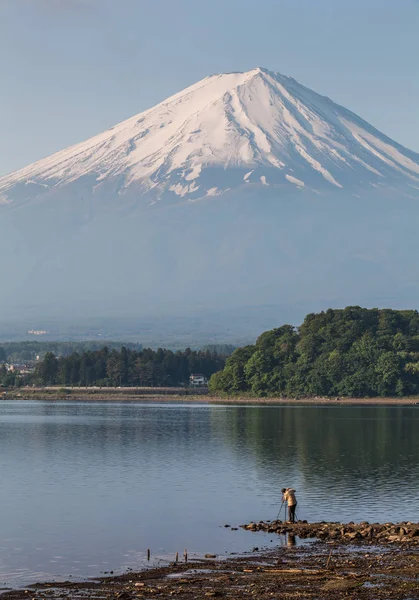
x: 88, y: 487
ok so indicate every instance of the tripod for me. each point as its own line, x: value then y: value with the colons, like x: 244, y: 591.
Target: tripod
x: 279, y: 511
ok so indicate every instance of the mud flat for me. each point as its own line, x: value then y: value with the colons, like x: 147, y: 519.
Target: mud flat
x: 183, y: 394
x: 104, y: 394
x: 366, y: 567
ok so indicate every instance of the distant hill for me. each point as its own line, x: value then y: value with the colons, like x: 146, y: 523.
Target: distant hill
x: 353, y: 352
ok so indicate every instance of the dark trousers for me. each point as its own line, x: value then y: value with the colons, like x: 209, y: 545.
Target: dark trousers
x: 291, y: 513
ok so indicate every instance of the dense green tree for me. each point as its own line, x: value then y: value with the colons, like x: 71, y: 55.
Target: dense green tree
x: 350, y: 352
x: 128, y: 367
x: 47, y: 370
x: 234, y: 369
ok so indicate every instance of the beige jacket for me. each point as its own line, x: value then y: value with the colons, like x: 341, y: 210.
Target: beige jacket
x: 289, y: 497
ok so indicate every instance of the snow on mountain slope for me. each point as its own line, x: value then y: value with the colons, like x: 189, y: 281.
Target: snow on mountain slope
x: 116, y: 224
x: 225, y: 132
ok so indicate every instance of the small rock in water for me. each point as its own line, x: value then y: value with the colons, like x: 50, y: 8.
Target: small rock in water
x: 210, y: 556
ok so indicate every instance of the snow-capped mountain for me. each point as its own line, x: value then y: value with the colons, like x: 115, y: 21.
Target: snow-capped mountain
x: 222, y: 133
x: 245, y: 189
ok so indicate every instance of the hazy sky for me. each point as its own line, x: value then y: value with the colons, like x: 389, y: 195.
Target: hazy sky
x: 72, y: 68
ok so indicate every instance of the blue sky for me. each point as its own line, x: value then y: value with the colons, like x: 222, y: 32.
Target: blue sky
x: 72, y: 68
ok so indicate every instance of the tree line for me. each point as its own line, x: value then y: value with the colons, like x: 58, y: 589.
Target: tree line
x: 126, y: 367
x: 355, y: 352
x: 30, y: 349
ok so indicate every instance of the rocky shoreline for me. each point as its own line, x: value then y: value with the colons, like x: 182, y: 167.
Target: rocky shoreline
x: 405, y: 532
x: 358, y: 561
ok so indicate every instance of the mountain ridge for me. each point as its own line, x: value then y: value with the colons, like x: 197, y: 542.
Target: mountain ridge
x: 244, y: 190
x: 262, y: 127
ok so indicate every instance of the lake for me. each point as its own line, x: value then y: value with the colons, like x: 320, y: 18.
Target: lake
x: 88, y: 487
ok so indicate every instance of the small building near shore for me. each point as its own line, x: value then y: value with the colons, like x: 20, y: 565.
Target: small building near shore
x: 198, y: 380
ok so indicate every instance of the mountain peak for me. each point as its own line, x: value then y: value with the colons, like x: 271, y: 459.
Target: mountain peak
x: 226, y: 132
x: 129, y: 220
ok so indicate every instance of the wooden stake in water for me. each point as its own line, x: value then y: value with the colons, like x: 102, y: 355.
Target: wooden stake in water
x: 148, y: 554
x: 177, y: 557
x: 328, y: 560
x: 185, y: 555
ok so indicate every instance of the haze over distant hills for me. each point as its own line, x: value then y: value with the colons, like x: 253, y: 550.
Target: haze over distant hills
x: 244, y: 190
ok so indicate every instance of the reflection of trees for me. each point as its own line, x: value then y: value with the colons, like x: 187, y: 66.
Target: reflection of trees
x: 153, y: 432
x: 272, y: 444
x: 324, y: 442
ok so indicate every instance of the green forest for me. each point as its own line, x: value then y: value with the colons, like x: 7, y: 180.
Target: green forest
x: 126, y: 367
x: 29, y: 350
x: 354, y: 352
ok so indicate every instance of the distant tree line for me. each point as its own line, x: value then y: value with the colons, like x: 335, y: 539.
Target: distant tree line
x: 126, y: 367
x: 223, y: 349
x: 29, y: 350
x: 353, y: 352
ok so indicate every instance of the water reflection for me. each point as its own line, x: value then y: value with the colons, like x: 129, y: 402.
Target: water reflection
x: 96, y: 483
x: 347, y: 462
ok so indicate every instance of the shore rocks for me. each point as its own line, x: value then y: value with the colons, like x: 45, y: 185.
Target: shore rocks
x: 388, y: 533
